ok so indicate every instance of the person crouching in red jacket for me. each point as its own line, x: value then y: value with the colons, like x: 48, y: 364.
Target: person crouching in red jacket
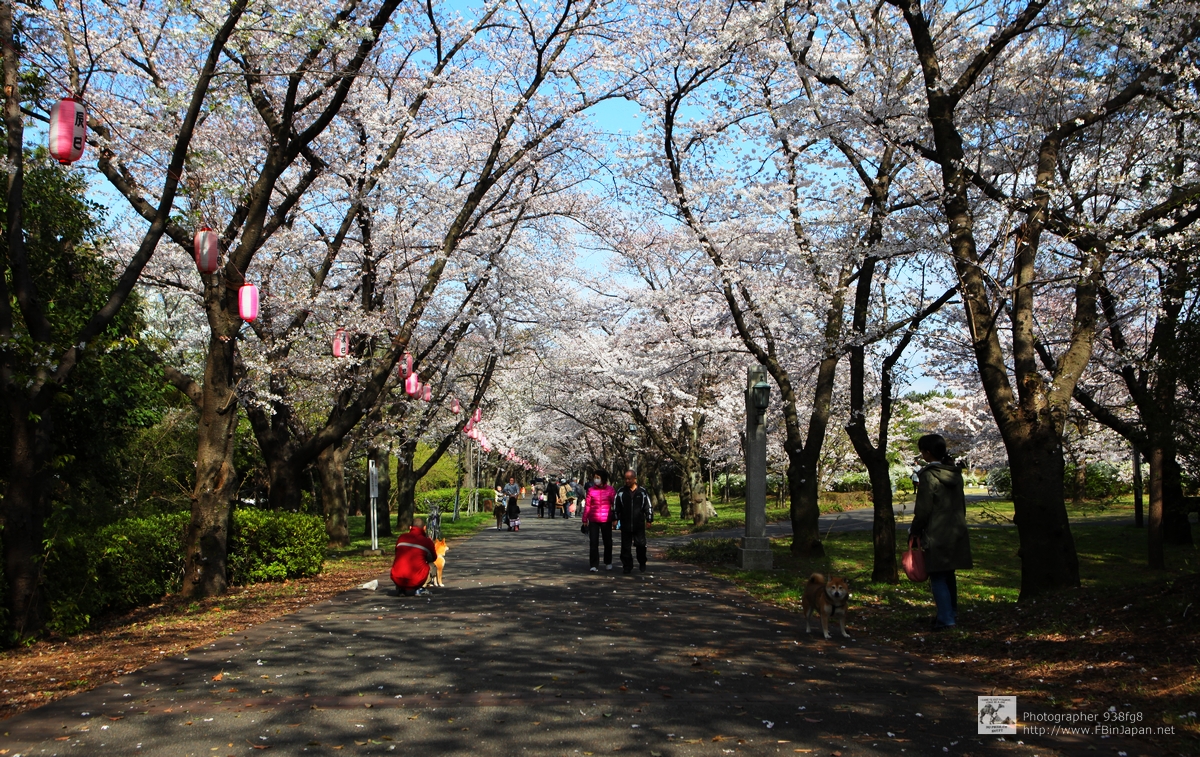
x: 414, y: 554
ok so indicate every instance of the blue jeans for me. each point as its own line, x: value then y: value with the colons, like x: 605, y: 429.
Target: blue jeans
x: 945, y: 595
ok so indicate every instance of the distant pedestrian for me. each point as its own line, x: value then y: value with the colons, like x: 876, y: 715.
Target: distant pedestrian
x: 539, y: 499
x: 634, y: 511
x: 514, y: 515
x: 509, y: 493
x: 577, y: 496
x: 552, y: 494
x: 598, y: 515
x: 940, y: 523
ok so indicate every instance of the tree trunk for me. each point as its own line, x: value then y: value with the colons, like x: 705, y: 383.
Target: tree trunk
x: 805, y: 509
x: 1177, y: 529
x: 1138, y: 502
x: 1048, y: 558
x: 652, y: 475
x: 700, y: 508
x: 24, y: 518
x: 883, y: 529
x: 1157, y: 558
x: 383, y: 505
x: 685, y: 496
x: 406, y: 487
x: 216, y: 479
x: 331, y: 465
x: 1080, y: 482
x: 406, y: 501
x: 283, y: 483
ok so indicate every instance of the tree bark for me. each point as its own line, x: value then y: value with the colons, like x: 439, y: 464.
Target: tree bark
x: 383, y: 470
x: 216, y: 479
x: 1048, y: 558
x: 1177, y: 529
x: 283, y: 484
x: 805, y: 508
x: 1138, y: 493
x: 406, y: 486
x: 685, y: 496
x: 24, y: 518
x: 1154, y: 532
x: 331, y: 465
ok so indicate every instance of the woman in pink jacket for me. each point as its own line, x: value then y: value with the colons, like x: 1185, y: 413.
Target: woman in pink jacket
x: 597, y: 519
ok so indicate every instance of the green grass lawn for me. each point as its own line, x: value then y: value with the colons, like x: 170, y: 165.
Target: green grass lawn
x: 731, y: 515
x: 1129, y: 634
x: 465, y: 526
x: 994, y: 511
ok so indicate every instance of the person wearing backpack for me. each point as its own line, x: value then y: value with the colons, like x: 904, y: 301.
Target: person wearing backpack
x: 634, y: 511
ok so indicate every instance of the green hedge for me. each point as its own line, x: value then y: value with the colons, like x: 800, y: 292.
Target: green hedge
x: 444, y: 499
x: 123, y: 565
x: 137, y: 561
x: 272, y: 546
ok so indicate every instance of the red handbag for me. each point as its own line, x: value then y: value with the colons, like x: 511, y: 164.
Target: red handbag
x: 913, y: 561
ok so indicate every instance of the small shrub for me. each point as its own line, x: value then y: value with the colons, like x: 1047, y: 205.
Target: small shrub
x: 999, y: 481
x: 1101, y: 481
x: 139, y: 560
x: 853, y: 482
x: 444, y: 499
x: 126, y: 564
x: 272, y: 546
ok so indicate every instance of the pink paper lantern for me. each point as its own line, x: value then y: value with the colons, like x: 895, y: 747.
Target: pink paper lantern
x: 341, y: 343
x: 68, y: 130
x: 406, y: 363
x: 477, y: 416
x: 248, y: 302
x: 412, y: 385
x: 428, y: 396
x: 207, y: 250
x: 455, y: 407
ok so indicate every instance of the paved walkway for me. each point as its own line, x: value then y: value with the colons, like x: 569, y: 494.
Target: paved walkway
x: 525, y: 653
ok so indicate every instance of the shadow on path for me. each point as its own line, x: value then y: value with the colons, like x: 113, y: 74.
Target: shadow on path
x: 524, y: 652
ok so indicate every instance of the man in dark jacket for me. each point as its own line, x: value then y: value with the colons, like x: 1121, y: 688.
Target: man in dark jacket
x: 940, y: 523
x: 634, y: 511
x: 552, y: 493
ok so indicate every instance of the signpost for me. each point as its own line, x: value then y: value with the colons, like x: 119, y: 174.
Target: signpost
x: 373, y: 477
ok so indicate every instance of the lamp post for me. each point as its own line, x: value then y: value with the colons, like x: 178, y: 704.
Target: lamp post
x: 754, y: 552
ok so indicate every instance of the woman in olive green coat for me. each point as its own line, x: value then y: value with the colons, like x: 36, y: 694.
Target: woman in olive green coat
x: 940, y: 523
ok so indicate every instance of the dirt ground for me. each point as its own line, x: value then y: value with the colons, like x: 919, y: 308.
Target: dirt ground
x: 53, y: 668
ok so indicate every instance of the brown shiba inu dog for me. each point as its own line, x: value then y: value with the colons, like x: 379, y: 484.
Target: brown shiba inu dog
x: 827, y: 599
x: 441, y: 549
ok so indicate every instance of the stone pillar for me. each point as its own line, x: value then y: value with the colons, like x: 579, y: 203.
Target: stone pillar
x: 754, y: 552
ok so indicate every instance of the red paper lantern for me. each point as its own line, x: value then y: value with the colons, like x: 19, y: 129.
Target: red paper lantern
x: 412, y: 385
x: 248, y: 302
x: 455, y: 407
x: 208, y: 251
x: 341, y: 343
x: 68, y: 130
